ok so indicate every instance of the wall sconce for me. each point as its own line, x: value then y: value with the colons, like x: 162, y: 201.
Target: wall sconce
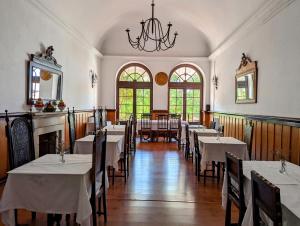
x: 215, y: 78
x: 94, y: 78
x: 215, y: 81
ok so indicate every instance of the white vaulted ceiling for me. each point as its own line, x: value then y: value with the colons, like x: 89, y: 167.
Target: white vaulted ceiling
x: 202, y: 24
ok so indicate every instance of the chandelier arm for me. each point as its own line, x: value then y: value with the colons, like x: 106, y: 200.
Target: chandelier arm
x: 132, y: 43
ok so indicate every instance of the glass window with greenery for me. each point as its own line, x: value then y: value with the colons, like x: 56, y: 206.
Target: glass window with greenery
x: 185, y: 92
x: 134, y: 87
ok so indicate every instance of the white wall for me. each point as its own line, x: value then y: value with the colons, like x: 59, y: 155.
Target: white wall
x: 275, y: 45
x: 110, y: 66
x: 24, y: 28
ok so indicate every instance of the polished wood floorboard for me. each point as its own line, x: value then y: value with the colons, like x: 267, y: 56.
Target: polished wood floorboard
x: 162, y: 190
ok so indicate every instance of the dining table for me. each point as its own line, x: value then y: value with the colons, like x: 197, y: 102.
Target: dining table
x: 204, y: 132
x: 214, y: 149
x: 288, y: 183
x: 48, y: 185
x: 115, y: 129
x: 114, y: 148
x: 90, y: 126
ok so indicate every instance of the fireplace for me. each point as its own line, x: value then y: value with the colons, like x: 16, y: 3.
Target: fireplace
x: 49, y: 129
x: 47, y: 143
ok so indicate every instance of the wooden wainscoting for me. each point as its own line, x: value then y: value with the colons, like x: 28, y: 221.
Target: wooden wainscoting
x: 112, y: 115
x: 81, y: 118
x: 271, y: 134
x: 4, y: 162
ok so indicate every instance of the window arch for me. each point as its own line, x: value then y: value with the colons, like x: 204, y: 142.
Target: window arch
x: 186, y: 92
x: 134, y: 91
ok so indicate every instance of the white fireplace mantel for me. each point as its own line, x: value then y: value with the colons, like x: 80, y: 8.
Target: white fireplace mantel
x: 47, y: 123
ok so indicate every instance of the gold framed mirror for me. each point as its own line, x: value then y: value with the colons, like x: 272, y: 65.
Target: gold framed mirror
x: 246, y: 81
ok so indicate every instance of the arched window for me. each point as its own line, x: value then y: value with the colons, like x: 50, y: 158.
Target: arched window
x: 134, y: 91
x: 186, y: 92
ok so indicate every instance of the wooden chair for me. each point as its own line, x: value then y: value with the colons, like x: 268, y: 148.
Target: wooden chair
x: 146, y: 127
x: 212, y: 125
x: 266, y: 199
x: 98, y: 173
x: 235, y: 188
x: 248, y: 135
x: 162, y: 126
x: 103, y: 117
x: 97, y: 120
x: 72, y: 129
x: 187, y: 143
x: 175, y: 128
x: 197, y: 156
x: 132, y: 133
x: 124, y: 159
x: 19, y: 134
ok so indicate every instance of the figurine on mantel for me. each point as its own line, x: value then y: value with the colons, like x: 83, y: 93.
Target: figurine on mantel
x: 61, y: 105
x: 50, y: 107
x: 39, y: 105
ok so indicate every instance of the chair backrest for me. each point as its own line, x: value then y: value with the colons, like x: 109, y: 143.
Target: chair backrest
x: 126, y: 139
x: 146, y: 123
x: 212, y: 125
x: 103, y: 117
x: 98, y: 162
x: 265, y: 198
x: 248, y: 135
x: 187, y: 136
x: 19, y: 132
x: 162, y: 122
x: 97, y: 120
x: 175, y: 121
x: 221, y: 129
x: 196, y: 142
x: 235, y: 180
x: 72, y: 129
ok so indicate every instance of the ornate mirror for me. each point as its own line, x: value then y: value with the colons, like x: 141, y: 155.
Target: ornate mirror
x: 246, y: 81
x: 45, y: 78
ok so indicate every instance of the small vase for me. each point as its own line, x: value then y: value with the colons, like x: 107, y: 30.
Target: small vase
x: 61, y: 108
x: 38, y: 108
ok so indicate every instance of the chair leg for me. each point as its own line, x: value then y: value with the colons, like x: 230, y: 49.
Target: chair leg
x: 99, y: 206
x: 16, y: 216
x: 128, y: 166
x: 228, y: 213
x: 113, y: 182
x: 199, y: 169
x: 49, y: 219
x: 218, y: 172
x: 196, y: 167
x: 68, y: 218
x: 33, y: 215
x: 104, y: 207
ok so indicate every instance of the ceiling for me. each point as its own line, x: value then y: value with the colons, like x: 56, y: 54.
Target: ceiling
x: 202, y: 24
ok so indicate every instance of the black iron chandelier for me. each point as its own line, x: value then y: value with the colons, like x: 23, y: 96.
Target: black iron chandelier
x: 152, y: 37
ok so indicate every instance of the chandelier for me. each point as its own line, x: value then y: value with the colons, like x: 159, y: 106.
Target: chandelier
x: 152, y: 37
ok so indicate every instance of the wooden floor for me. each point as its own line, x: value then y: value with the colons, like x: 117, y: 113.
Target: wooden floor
x: 162, y: 190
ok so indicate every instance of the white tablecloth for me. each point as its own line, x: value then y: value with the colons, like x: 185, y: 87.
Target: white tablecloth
x: 90, y: 126
x: 201, y: 132
x: 289, y: 185
x: 46, y: 185
x: 115, y: 129
x: 114, y: 148
x: 213, y: 149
